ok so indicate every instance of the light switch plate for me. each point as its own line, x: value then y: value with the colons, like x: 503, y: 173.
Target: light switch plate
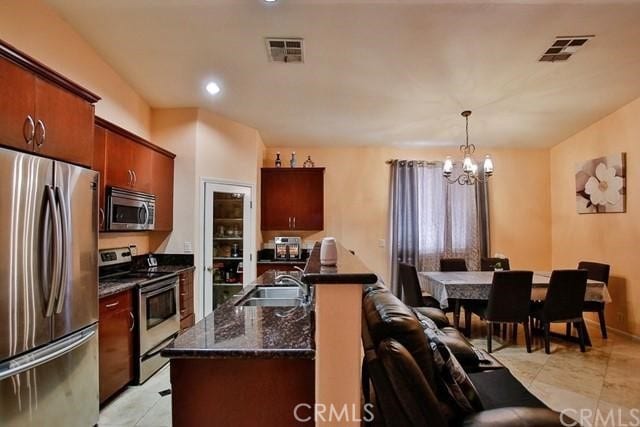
x: 188, y: 247
x: 133, y: 249
x: 381, y: 243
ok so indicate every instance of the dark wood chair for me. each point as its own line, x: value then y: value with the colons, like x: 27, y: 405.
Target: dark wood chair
x: 453, y: 264
x: 600, y: 272
x: 563, y: 304
x: 489, y: 264
x: 411, y: 289
x: 509, y: 302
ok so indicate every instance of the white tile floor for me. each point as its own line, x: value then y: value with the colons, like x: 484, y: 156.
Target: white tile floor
x: 141, y: 405
x: 606, y: 377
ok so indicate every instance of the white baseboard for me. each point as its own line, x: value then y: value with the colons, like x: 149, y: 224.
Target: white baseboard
x: 615, y: 330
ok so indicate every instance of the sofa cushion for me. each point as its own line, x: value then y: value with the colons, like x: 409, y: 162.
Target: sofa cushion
x: 455, y: 380
x: 500, y: 389
x: 388, y: 317
x: 438, y: 316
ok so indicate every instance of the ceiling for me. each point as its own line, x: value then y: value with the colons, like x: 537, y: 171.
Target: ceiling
x: 375, y: 72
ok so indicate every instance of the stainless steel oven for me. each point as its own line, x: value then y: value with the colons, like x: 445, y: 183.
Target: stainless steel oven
x: 130, y: 210
x: 159, y: 322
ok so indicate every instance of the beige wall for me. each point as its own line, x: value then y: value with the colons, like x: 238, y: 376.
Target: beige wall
x: 36, y: 29
x: 209, y: 146
x: 608, y: 238
x: 357, y: 200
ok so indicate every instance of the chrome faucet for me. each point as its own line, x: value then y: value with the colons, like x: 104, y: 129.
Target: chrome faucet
x: 283, y: 278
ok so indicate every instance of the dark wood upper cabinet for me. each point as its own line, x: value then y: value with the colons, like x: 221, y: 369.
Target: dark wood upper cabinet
x: 292, y: 199
x: 115, y: 339
x: 100, y: 165
x: 133, y: 163
x: 42, y: 111
x: 64, y: 125
x: 17, y: 106
x: 162, y: 187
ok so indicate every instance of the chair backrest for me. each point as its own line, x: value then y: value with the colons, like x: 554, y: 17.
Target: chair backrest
x: 410, y: 285
x: 565, y: 296
x: 595, y: 271
x: 489, y: 264
x: 453, y: 264
x: 510, y: 296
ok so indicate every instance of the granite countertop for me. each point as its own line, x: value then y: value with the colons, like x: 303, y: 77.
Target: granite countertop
x: 114, y: 285
x: 249, y: 332
x: 348, y: 270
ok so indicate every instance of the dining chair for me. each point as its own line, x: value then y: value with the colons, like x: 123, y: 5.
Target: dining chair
x: 489, y: 264
x: 563, y: 304
x: 600, y: 272
x: 453, y: 264
x: 412, y: 292
x: 508, y: 303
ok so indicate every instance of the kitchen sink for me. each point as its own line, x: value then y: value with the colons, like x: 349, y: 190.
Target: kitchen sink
x: 271, y: 302
x: 277, y: 292
x: 273, y: 296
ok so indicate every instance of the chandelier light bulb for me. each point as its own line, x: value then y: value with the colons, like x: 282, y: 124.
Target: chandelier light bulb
x: 467, y: 164
x: 447, y: 169
x: 488, y: 165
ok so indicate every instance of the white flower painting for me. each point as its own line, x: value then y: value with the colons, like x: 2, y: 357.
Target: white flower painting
x: 600, y: 185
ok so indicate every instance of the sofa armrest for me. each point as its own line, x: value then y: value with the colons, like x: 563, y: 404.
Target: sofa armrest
x: 435, y: 314
x: 518, y: 417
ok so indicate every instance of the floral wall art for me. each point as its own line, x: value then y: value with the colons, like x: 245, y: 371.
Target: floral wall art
x: 601, y: 185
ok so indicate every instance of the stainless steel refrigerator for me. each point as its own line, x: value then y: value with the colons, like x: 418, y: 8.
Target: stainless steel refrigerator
x: 48, y: 292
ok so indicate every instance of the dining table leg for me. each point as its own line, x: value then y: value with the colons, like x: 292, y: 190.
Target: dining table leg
x: 456, y: 314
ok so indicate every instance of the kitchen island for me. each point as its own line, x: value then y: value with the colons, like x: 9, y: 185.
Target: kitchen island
x: 244, y: 365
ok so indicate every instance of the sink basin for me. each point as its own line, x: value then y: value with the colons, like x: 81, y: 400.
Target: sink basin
x: 276, y: 292
x: 271, y: 302
x: 273, y: 296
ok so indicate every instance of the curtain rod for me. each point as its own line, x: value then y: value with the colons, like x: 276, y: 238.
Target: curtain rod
x: 418, y: 162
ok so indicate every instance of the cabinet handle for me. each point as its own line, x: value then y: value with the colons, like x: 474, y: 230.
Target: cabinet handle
x: 101, y: 217
x: 29, y: 129
x: 113, y: 304
x: 133, y: 322
x: 130, y: 182
x: 43, y: 133
x: 294, y: 222
x: 135, y: 177
x: 289, y: 223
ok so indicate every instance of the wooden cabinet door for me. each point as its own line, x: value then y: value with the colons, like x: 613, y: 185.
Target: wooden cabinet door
x: 115, y: 343
x: 162, y: 187
x: 119, y: 161
x: 308, y: 188
x: 142, y: 158
x: 64, y: 125
x: 100, y: 166
x: 276, y: 200
x: 17, y: 106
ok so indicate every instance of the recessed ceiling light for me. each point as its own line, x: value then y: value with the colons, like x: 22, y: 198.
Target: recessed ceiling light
x: 270, y: 1
x: 212, y: 88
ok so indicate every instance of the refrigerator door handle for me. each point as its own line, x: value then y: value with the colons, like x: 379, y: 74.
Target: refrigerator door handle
x: 45, y: 354
x: 64, y: 259
x: 57, y: 245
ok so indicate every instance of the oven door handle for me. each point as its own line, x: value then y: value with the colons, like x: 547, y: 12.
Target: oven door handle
x: 157, y: 349
x: 159, y: 291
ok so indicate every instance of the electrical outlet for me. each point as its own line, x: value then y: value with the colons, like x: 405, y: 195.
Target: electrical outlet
x: 188, y: 248
x: 133, y: 249
x: 381, y: 243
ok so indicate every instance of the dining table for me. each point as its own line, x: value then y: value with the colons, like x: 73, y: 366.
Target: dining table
x: 457, y: 286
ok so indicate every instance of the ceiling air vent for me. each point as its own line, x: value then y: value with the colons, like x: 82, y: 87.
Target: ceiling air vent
x: 288, y: 50
x: 563, y: 47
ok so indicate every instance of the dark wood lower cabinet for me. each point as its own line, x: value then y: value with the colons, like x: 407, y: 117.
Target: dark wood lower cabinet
x: 241, y: 392
x: 115, y: 343
x: 187, y: 318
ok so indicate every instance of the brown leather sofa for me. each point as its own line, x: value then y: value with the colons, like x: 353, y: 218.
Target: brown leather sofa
x: 400, y: 378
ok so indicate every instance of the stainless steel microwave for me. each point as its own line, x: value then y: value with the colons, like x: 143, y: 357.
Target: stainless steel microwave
x: 130, y: 210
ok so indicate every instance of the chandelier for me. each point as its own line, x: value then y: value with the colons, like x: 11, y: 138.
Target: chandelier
x: 469, y: 175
